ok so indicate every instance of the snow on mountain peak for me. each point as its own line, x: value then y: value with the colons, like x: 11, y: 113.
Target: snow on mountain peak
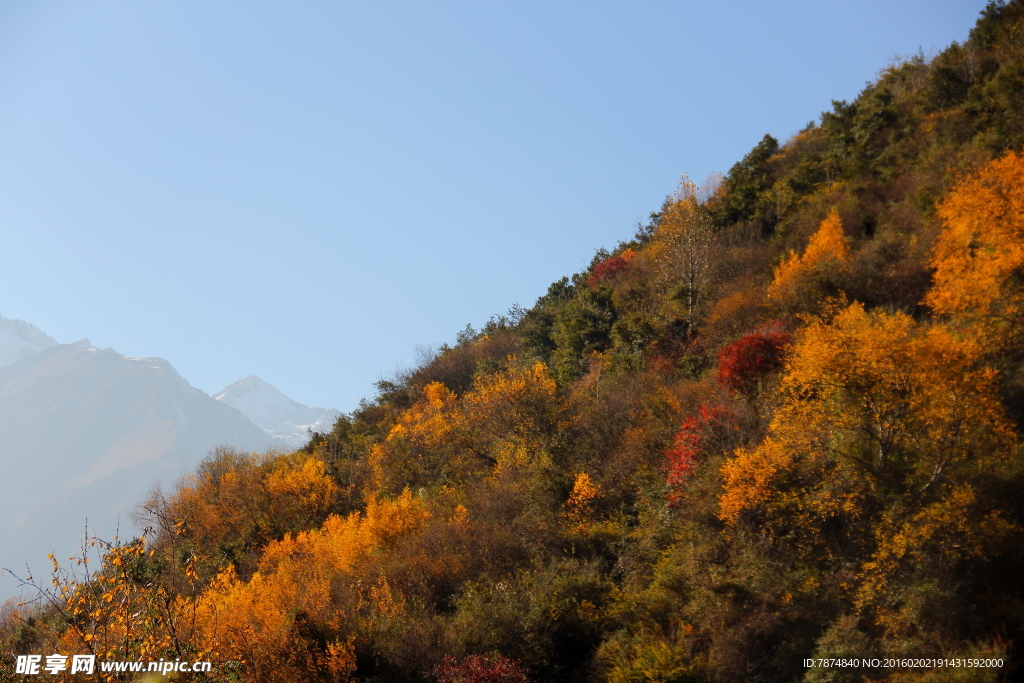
x: 285, y: 421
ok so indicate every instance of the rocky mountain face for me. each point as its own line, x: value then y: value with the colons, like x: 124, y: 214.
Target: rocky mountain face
x: 286, y: 422
x: 84, y: 435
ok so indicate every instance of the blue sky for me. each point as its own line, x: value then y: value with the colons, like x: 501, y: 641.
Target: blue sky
x: 307, y: 191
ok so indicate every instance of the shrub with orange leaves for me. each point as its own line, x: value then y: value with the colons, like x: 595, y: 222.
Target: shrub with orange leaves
x: 116, y: 610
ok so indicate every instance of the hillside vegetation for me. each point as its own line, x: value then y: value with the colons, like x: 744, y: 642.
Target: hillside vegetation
x: 781, y: 422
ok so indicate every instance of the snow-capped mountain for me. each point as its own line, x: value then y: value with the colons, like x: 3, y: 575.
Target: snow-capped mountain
x: 20, y: 340
x: 285, y: 421
x: 84, y: 435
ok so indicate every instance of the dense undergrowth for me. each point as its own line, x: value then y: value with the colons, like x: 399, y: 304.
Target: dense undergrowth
x: 781, y: 422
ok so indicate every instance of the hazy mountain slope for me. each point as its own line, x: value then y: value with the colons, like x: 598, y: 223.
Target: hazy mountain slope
x: 18, y: 340
x: 85, y: 433
x: 285, y: 421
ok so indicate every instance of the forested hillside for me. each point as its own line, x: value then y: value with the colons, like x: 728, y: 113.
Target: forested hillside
x: 781, y: 422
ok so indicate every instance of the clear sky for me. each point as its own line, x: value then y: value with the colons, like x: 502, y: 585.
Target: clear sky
x: 306, y: 191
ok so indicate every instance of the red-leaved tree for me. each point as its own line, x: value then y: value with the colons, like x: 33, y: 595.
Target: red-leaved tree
x: 480, y: 669
x: 742, y: 364
x: 713, y: 427
x: 605, y: 270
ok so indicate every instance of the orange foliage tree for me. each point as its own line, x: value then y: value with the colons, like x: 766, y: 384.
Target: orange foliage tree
x: 581, y: 498
x: 444, y: 438
x: 980, y: 254
x: 302, y: 612
x: 236, y: 502
x: 875, y: 406
x: 826, y: 257
x: 884, y: 429
x: 121, y: 611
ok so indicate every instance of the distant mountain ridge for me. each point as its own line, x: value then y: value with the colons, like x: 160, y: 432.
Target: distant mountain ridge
x: 85, y: 433
x: 19, y: 339
x: 286, y: 422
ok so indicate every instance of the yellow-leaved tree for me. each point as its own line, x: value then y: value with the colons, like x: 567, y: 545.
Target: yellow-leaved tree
x: 111, y: 613
x: 682, y: 248
x: 979, y: 256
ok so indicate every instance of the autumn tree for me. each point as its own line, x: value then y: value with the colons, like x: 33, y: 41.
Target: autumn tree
x: 682, y: 247
x: 745, y: 362
x: 581, y: 499
x: 877, y: 453
x: 712, y: 429
x: 235, y: 503
x: 898, y: 406
x: 301, y: 614
x: 815, y: 272
x: 979, y: 257
x: 609, y: 268
x: 444, y: 438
